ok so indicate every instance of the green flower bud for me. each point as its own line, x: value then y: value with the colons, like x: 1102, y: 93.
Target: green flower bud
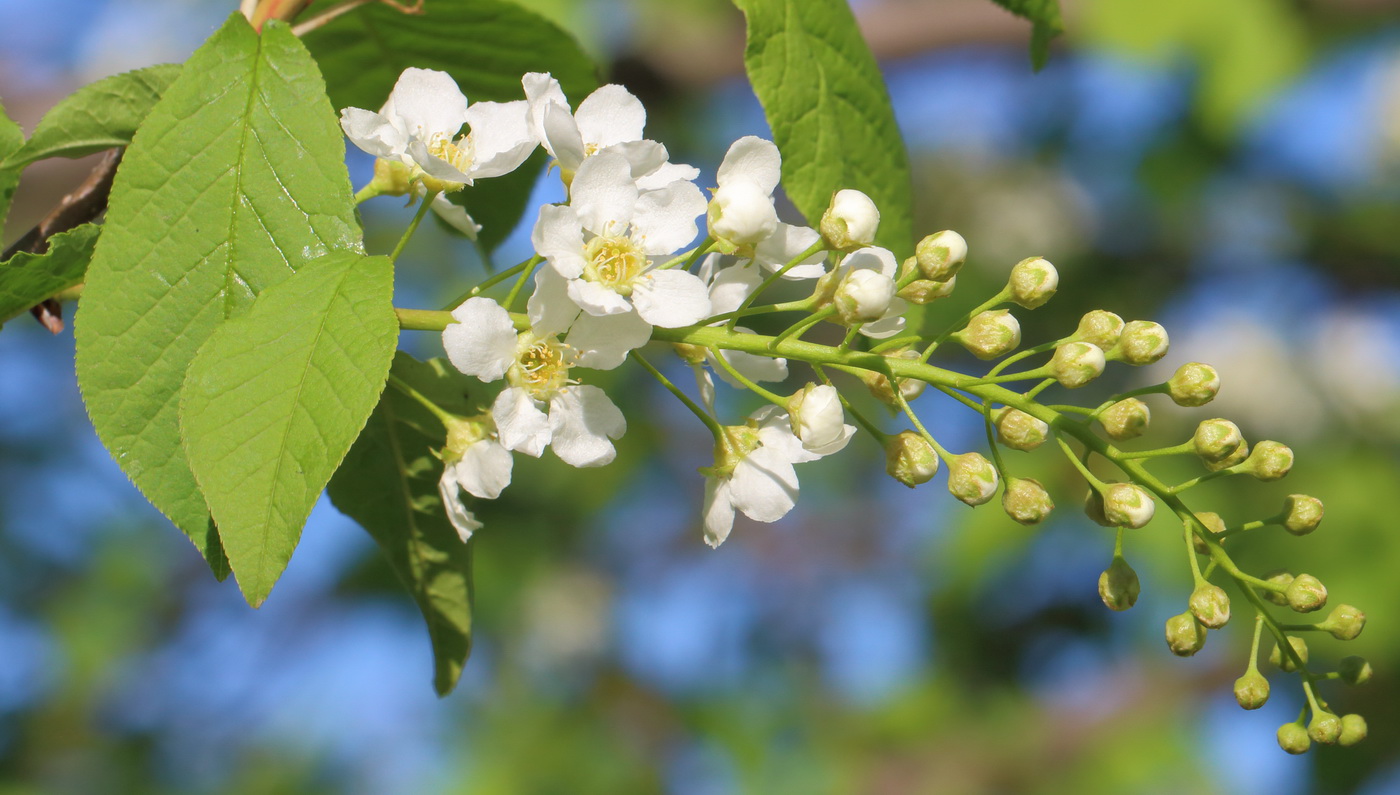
x: 924, y: 291
x: 850, y: 221
x: 863, y: 296
x: 1194, y: 384
x: 1302, y: 514
x: 1100, y: 328
x: 1325, y: 728
x: 1282, y: 578
x: 1126, y: 419
x: 1355, y: 670
x: 391, y: 178
x: 991, y: 334
x: 1344, y: 622
x: 1076, y: 364
x: 1142, y: 342
x: 879, y: 384
x: 941, y: 256
x: 1213, y: 523
x: 690, y: 354
x: 1026, y: 501
x: 1019, y: 430
x: 1127, y: 505
x: 910, y: 459
x: 1118, y: 585
x: 972, y: 478
x: 1293, y: 738
x: 1216, y: 440
x: 1252, y: 690
x: 1185, y: 635
x: 1210, y: 605
x: 1093, y: 508
x: 1353, y: 730
x: 1306, y: 594
x: 1285, y: 662
x: 1033, y: 281
x: 1228, y: 461
x: 1269, y: 461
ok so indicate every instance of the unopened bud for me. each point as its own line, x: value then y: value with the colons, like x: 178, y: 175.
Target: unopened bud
x: 1142, y: 342
x: 1210, y: 605
x: 972, y: 478
x: 1126, y: 419
x: 1252, y: 690
x: 910, y: 459
x: 1325, y: 728
x: 850, y: 221
x: 1282, y: 579
x: 925, y: 291
x: 1353, y: 730
x: 1344, y: 622
x: 1033, y: 282
x: 941, y: 256
x: 863, y: 295
x: 1212, y: 522
x: 1306, y: 594
x: 1193, y: 384
x: 1019, y: 430
x: 818, y: 419
x: 880, y: 386
x: 1127, y: 505
x: 1286, y: 662
x: 1293, y: 738
x: 1100, y: 328
x: 1238, y: 457
x: 991, y: 334
x: 1076, y: 364
x: 1269, y: 460
x: 1093, y: 507
x: 1302, y: 514
x: 1118, y: 585
x: 1026, y: 501
x: 1216, y: 440
x: 741, y: 213
x: 1185, y: 635
x: 1354, y: 670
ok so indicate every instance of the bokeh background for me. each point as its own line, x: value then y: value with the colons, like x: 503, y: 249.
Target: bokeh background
x: 1231, y: 169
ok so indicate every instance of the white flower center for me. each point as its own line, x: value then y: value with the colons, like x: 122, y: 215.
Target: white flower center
x: 614, y: 262
x: 541, y: 365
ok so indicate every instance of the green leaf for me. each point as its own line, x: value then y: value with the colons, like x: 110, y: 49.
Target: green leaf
x: 11, y: 140
x: 1046, y: 25
x: 26, y: 279
x: 236, y: 179
x: 275, y: 398
x: 389, y: 484
x: 829, y: 110
x: 97, y: 116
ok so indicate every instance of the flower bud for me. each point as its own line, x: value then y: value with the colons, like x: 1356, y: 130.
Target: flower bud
x: 690, y: 354
x: 1185, y: 635
x: 1353, y: 730
x: 1217, y: 440
x: 1093, y: 507
x: 1286, y: 662
x: 1238, y: 457
x: 818, y: 419
x: 1344, y: 622
x: 1269, y: 461
x: 741, y: 213
x: 1019, y: 430
x: 1252, y: 690
x: 1026, y: 501
x: 1210, y: 605
x: 924, y: 291
x: 1302, y: 514
x: 1325, y: 728
x: 910, y: 459
x: 1127, y: 505
x: 1118, y: 585
x: 1212, y: 522
x: 879, y: 384
x: 1033, y: 281
x: 1293, y: 738
x: 991, y: 334
x: 850, y: 221
x: 941, y: 256
x: 863, y: 295
x: 1076, y: 364
x: 1355, y: 670
x: 391, y: 178
x: 972, y: 478
x: 1100, y: 328
x: 1282, y: 578
x: 1142, y: 342
x: 1193, y: 384
x: 1126, y: 419
x: 1306, y: 594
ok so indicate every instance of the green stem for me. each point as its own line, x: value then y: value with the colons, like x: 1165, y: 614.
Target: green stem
x: 773, y: 278
x: 995, y: 301
x: 1183, y: 448
x: 413, y: 225
x: 444, y: 416
x: 743, y: 379
x: 495, y: 279
x: 366, y: 193
x: 710, y: 422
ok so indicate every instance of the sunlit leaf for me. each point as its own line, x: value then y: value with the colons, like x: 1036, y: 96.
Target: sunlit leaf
x: 27, y: 279
x: 98, y: 116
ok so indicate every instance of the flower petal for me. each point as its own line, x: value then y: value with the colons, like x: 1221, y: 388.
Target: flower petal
x: 603, y: 194
x: 754, y: 159
x: 373, y: 133
x: 764, y: 485
x: 872, y: 258
x: 730, y: 287
x: 671, y: 299
x: 484, y: 470
x: 429, y: 102
x: 520, y: 424
x: 558, y: 237
x: 561, y: 136
x: 455, y: 216
x: 435, y: 166
x: 611, y: 115
x: 457, y: 513
x: 718, y: 511
x: 582, y: 419
x: 501, y: 138
x: 550, y: 309
x: 785, y: 244
x: 603, y: 342
x: 482, y: 341
x: 595, y: 299
x: 666, y: 218
x: 644, y: 156
x: 540, y: 90
x: 665, y: 174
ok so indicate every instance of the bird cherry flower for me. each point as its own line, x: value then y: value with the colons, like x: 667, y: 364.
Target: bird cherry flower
x: 541, y: 405
x: 753, y: 473
x: 476, y: 462
x: 741, y: 212
x: 862, y: 284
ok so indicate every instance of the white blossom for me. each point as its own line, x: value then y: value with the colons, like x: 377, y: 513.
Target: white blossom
x: 819, y: 420
x: 867, y: 290
x: 850, y: 221
x: 741, y: 213
x: 475, y: 462
x: 753, y: 473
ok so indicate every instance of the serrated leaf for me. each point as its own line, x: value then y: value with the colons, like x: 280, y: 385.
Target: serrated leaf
x: 1046, y: 24
x: 829, y: 110
x: 236, y: 178
x: 275, y: 398
x: 26, y: 279
x: 97, y: 116
x: 389, y: 484
x: 11, y: 140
